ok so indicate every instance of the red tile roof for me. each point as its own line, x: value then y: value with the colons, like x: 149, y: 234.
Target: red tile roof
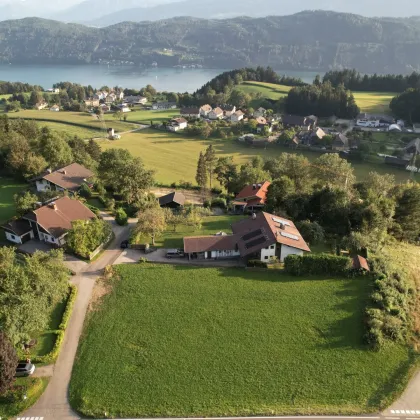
x: 360, y: 263
x: 70, y: 177
x: 258, y: 194
x: 210, y: 243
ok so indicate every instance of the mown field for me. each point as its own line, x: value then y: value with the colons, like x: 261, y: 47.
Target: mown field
x: 174, y: 157
x: 374, y: 102
x: 75, y: 123
x: 228, y: 342
x: 147, y: 116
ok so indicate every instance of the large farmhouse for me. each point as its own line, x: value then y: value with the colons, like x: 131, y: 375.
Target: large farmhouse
x: 262, y: 236
x: 252, y: 197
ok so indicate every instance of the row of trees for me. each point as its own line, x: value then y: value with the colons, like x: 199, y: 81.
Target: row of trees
x: 7, y: 88
x: 353, y: 80
x: 407, y: 105
x: 322, y: 100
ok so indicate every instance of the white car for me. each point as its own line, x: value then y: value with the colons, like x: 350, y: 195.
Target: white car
x: 116, y: 137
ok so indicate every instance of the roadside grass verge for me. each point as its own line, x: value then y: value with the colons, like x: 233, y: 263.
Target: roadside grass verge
x: 11, y: 406
x: 231, y: 342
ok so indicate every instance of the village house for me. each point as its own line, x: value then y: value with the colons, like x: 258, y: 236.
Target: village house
x: 190, y: 113
x: 53, y: 90
x: 261, y: 120
x: 91, y: 102
x: 174, y: 200
x: 164, y: 105
x: 111, y: 98
x: 229, y: 110
x: 260, y: 112
x: 41, y: 105
x: 262, y: 236
x: 312, y: 137
x: 262, y: 127
x: 252, y: 197
x: 216, y: 114
x: 416, y: 128
x: 177, y: 124
x: 340, y: 143
x: 55, y: 108
x: 124, y: 108
x: 70, y: 178
x: 306, y: 123
x: 49, y: 223
x: 237, y: 116
x: 205, y: 110
x: 135, y: 100
x: 105, y: 108
x: 373, y: 121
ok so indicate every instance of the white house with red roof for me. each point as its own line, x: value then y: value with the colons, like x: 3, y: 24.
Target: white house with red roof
x: 252, y: 197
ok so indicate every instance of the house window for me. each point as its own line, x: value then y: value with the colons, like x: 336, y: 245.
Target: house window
x: 266, y: 257
x: 13, y: 237
x: 272, y: 246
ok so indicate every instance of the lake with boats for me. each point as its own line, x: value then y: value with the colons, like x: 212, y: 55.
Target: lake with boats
x: 163, y: 79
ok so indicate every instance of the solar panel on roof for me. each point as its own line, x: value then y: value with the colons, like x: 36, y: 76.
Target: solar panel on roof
x: 252, y: 234
x: 289, y: 235
x: 255, y: 242
x: 281, y: 221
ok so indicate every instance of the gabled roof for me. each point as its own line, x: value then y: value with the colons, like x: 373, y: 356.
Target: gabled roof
x: 253, y: 190
x: 190, y: 111
x: 18, y: 227
x: 341, y: 139
x: 173, y: 197
x: 179, y: 120
x: 71, y: 177
x: 265, y: 230
x: 360, y: 262
x: 210, y: 243
x: 261, y: 120
x: 238, y: 113
x: 57, y: 217
x: 217, y: 111
x: 206, y: 108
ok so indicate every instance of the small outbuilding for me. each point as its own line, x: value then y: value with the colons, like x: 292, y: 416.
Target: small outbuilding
x: 173, y: 200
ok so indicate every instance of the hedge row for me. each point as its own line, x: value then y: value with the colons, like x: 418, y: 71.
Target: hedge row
x: 256, y: 263
x: 51, y: 357
x: 312, y: 264
x: 388, y: 313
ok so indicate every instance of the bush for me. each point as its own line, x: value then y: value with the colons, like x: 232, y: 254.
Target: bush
x: 121, y: 217
x: 298, y: 265
x: 85, y: 191
x: 69, y: 307
x: 256, y: 263
x: 218, y: 202
x: 207, y: 204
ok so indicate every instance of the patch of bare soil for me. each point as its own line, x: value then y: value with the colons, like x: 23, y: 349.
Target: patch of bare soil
x: 103, y: 287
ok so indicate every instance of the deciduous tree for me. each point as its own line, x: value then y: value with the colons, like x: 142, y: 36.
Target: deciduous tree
x: 151, y: 223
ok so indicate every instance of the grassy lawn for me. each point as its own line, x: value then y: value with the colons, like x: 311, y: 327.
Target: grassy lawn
x: 374, y: 102
x: 227, y: 342
x: 8, y: 188
x: 210, y: 226
x: 80, y: 123
x: 146, y: 116
x: 174, y: 157
x: 33, y: 387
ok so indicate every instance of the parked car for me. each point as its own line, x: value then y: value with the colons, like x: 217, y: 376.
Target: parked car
x: 116, y: 137
x: 174, y: 253
x: 25, y: 369
x: 125, y: 244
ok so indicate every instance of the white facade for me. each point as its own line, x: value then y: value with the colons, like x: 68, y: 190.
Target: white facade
x: 13, y: 238
x: 223, y: 254
x: 267, y: 253
x: 43, y: 185
x: 215, y: 115
x: 236, y: 118
x: 288, y: 250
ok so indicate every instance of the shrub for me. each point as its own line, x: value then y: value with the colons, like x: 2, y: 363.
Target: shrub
x: 85, y: 191
x: 256, y: 263
x: 69, y: 307
x: 121, y: 217
x: 298, y: 265
x: 207, y: 204
x: 218, y: 202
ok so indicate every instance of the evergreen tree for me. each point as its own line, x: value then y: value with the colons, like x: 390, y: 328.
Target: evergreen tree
x: 201, y: 175
x: 211, y: 160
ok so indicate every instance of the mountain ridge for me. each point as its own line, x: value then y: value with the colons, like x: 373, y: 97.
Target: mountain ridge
x: 309, y: 40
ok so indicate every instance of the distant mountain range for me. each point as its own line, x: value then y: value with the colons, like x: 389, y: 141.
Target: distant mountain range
x: 311, y: 40
x: 108, y: 12
x: 222, y: 9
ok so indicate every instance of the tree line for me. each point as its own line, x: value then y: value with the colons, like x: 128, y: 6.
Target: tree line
x: 353, y: 80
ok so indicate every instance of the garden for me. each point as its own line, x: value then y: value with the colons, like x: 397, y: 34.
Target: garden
x: 231, y: 342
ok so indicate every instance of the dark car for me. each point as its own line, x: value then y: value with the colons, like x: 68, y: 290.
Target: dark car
x: 175, y: 253
x: 25, y: 369
x: 124, y: 244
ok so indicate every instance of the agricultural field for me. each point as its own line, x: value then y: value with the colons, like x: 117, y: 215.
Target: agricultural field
x: 174, y: 157
x: 144, y: 116
x: 230, y: 342
x: 373, y: 102
x: 8, y: 188
x: 76, y: 123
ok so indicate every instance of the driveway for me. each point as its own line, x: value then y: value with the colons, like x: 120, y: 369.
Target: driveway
x: 33, y: 245
x: 53, y: 404
x: 131, y: 256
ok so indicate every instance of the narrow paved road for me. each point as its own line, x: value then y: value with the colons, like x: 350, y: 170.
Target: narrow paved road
x: 54, y: 405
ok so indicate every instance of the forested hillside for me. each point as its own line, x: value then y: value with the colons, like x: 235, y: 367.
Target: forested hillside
x: 308, y: 40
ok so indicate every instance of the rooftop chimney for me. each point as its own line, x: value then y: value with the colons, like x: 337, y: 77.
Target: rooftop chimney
x: 53, y: 205
x: 64, y: 172
x: 282, y: 226
x: 259, y: 185
x: 49, y: 170
x: 254, y: 186
x: 254, y: 216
